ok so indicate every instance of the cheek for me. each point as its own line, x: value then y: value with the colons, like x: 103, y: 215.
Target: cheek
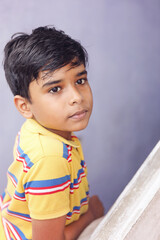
x: 54, y: 107
x: 90, y: 97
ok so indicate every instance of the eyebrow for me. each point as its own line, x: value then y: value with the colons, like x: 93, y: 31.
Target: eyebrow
x: 58, y: 81
x: 51, y: 83
x: 81, y: 73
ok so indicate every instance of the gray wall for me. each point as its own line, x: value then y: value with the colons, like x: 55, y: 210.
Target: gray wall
x: 123, y: 42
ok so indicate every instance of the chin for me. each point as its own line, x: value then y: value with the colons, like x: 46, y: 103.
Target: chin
x: 81, y: 127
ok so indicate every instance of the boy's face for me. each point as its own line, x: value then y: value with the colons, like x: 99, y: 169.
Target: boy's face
x: 62, y: 101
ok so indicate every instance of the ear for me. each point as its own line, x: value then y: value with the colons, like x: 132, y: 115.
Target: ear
x: 23, y: 106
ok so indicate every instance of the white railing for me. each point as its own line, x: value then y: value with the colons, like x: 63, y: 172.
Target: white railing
x: 136, y: 213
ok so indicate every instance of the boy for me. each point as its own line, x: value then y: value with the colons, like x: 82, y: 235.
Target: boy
x: 47, y: 195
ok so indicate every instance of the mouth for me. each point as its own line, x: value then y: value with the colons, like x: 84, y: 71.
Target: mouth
x: 79, y: 115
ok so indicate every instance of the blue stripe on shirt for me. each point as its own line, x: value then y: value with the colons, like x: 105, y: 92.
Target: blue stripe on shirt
x: 47, y: 183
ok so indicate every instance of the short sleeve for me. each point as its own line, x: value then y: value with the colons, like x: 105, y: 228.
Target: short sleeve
x: 47, y: 188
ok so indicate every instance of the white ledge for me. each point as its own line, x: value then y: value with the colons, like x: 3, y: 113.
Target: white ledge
x: 136, y: 213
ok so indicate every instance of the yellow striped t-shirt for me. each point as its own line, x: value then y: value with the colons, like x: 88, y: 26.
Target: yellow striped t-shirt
x: 46, y: 180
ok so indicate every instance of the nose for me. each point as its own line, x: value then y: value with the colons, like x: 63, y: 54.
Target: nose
x: 75, y: 96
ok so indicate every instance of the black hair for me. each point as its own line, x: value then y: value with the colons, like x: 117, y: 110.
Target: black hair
x: 45, y: 49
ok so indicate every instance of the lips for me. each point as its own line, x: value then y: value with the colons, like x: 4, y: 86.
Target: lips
x: 79, y: 114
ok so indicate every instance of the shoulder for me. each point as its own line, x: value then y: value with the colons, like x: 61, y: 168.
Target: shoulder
x: 39, y: 143
x: 51, y: 146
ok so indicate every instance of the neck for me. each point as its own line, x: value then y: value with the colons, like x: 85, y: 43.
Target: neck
x: 64, y: 134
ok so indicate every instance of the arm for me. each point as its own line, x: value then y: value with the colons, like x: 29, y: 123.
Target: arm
x: 55, y: 229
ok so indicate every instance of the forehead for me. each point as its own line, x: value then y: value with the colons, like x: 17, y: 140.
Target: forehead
x: 63, y: 72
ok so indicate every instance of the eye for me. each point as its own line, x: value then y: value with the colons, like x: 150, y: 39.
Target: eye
x: 55, y: 90
x: 81, y: 81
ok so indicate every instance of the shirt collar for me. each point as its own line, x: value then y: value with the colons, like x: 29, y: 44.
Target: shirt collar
x: 35, y: 127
